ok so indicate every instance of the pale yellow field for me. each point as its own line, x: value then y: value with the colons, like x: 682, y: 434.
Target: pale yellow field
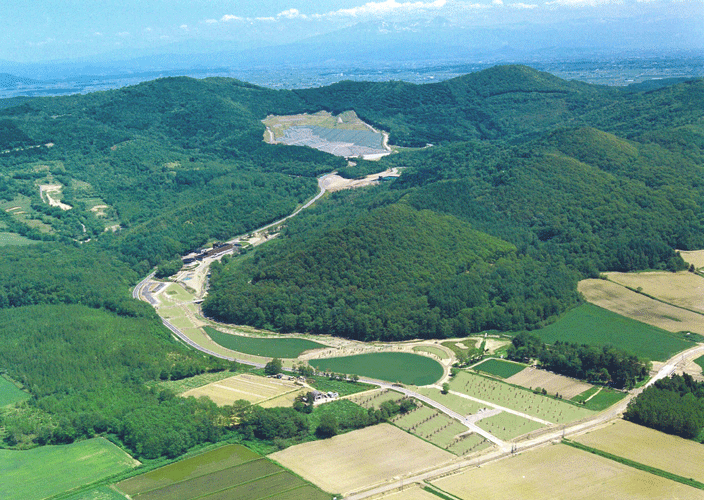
x: 650, y: 447
x: 695, y: 257
x: 565, y: 473
x: 253, y: 388
x: 619, y: 299
x: 361, y: 458
x: 413, y: 493
x: 565, y: 386
x: 683, y: 289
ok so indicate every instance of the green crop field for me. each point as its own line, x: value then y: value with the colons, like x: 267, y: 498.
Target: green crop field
x: 50, y: 470
x: 514, y: 398
x: 232, y: 471
x: 267, y: 347
x: 374, y: 399
x: 508, y: 426
x: 589, y: 324
x: 700, y: 361
x: 101, y: 493
x: 9, y: 393
x: 440, y: 353
x: 468, y: 443
x: 602, y: 400
x: 499, y: 367
x: 13, y: 239
x: 391, y: 366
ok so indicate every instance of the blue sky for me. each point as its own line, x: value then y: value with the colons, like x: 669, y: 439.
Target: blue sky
x: 41, y: 30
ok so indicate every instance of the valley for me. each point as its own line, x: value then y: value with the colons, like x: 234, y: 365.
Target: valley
x: 268, y: 299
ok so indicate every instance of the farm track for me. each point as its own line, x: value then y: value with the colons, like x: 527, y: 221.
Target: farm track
x: 504, y: 448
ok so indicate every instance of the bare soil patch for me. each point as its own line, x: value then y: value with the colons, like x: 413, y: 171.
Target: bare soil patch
x: 551, y: 382
x: 621, y: 300
x: 361, y: 458
x: 649, y: 447
x: 334, y: 182
x: 52, y: 193
x: 559, y: 471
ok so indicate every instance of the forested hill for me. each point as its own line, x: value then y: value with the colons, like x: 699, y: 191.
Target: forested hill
x: 531, y: 183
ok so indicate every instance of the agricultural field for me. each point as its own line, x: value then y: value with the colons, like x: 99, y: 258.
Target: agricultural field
x: 683, y: 289
x: 374, y: 399
x: 253, y: 388
x: 274, y: 347
x: 700, y: 361
x: 590, y: 324
x: 514, y: 398
x: 694, y: 257
x: 182, y: 385
x: 13, y: 239
x: 566, y: 387
x: 100, y: 493
x: 507, y: 426
x: 649, y: 447
x: 401, y: 367
x: 49, y: 470
x: 10, y: 393
x: 499, y: 367
x: 560, y: 471
x: 462, y: 346
x: 629, y: 304
x: 412, y: 493
x: 440, y: 353
x: 232, y: 471
x: 432, y: 425
x: 361, y: 458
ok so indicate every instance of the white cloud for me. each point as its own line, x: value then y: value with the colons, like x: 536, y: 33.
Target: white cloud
x: 386, y: 7
x: 265, y: 19
x: 292, y: 14
x: 497, y: 2
x: 184, y: 27
x: 97, y: 33
x: 227, y: 17
x: 211, y: 21
x: 521, y: 5
x: 123, y: 34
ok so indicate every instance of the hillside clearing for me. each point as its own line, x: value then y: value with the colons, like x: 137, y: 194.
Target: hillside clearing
x: 253, y: 388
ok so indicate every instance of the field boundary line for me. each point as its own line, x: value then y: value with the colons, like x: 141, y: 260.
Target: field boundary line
x: 434, y: 490
x: 662, y: 301
x: 636, y: 465
x: 239, y: 484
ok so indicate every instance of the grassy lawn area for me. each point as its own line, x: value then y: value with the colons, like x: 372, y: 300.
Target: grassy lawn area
x: 186, y: 384
x: 461, y: 405
x: 432, y: 350
x: 342, y: 387
x: 13, y: 239
x: 390, y: 366
x: 259, y: 346
x: 10, y: 393
x: 603, y: 399
x: 49, y: 470
x: 589, y: 324
x: 508, y: 426
x: 499, y: 367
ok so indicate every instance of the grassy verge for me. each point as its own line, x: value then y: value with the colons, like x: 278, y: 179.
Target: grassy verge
x: 604, y: 399
x: 342, y: 387
x: 499, y: 367
x: 637, y: 465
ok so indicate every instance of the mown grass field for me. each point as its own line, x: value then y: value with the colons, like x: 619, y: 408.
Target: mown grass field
x: 602, y: 400
x: 461, y: 405
x: 682, y: 289
x: 232, y: 471
x: 637, y: 306
x: 553, y: 383
x: 185, y: 384
x: 700, y: 361
x: 390, y: 366
x: 49, y: 470
x: 561, y: 472
x: 514, y: 398
x: 10, y: 393
x: 361, y: 458
x: 253, y: 388
x: 508, y: 426
x: 266, y: 347
x: 649, y: 447
x: 589, y: 324
x: 13, y: 239
x: 100, y: 493
x: 499, y: 367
